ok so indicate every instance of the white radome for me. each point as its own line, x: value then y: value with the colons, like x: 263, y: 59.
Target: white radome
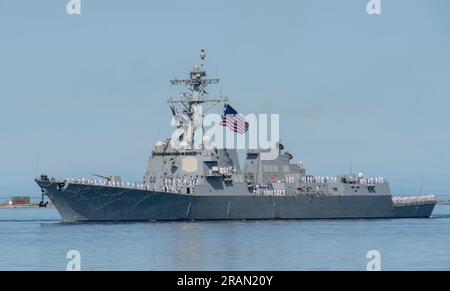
x: 159, y: 144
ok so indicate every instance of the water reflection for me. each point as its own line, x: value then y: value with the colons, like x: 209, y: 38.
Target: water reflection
x: 37, y: 240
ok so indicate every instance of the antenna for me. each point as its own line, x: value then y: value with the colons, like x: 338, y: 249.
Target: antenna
x: 197, y: 81
x: 202, y: 56
x: 189, y: 103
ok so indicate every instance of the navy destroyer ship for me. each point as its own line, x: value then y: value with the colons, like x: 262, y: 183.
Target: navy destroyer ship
x: 187, y: 182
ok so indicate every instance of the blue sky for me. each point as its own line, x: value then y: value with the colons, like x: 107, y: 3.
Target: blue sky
x: 88, y: 92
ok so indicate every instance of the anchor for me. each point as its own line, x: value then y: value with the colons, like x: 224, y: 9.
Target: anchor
x: 43, y: 203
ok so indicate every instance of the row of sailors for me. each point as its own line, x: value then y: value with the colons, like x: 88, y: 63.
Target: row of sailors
x: 414, y: 199
x: 108, y: 183
x: 166, y: 188
x: 317, y: 179
x: 169, y: 189
x: 166, y: 182
x: 376, y: 180
x: 269, y: 192
x: 191, y: 181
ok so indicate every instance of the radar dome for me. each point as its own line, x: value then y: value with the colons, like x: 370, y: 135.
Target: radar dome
x: 159, y: 145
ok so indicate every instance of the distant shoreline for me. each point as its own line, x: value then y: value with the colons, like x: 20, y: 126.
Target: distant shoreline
x: 33, y: 205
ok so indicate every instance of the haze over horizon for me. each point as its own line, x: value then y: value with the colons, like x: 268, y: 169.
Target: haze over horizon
x: 88, y: 92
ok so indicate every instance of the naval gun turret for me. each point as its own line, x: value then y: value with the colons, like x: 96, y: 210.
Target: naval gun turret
x: 110, y: 179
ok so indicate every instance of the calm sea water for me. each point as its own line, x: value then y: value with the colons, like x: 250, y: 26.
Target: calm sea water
x: 34, y: 239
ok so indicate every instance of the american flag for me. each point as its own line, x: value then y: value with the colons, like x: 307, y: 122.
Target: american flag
x: 234, y: 120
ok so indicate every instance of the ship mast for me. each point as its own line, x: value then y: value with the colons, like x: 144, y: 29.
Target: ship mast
x: 185, y: 108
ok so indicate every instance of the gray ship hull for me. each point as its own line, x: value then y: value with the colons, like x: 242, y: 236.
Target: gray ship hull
x: 80, y: 202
